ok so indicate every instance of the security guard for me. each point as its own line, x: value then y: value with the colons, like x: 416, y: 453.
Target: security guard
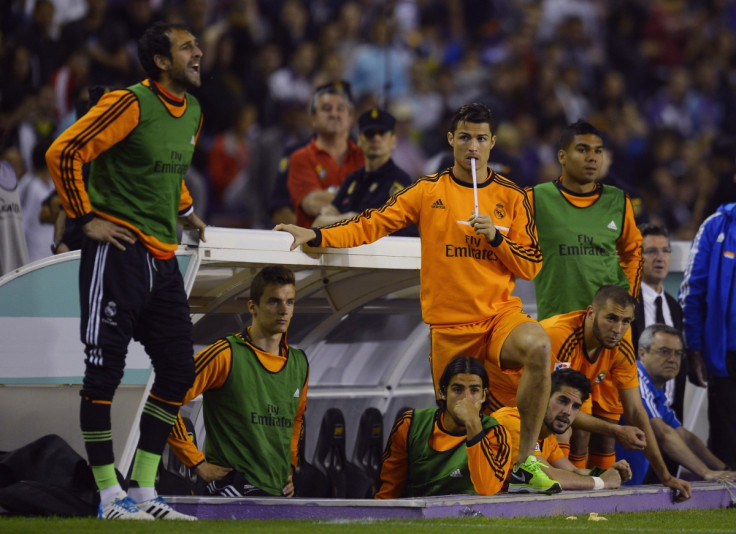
x: 374, y: 183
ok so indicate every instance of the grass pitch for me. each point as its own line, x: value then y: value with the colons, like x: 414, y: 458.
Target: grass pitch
x: 720, y: 521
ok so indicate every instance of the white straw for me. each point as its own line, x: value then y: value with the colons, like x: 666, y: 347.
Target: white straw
x: 475, y: 185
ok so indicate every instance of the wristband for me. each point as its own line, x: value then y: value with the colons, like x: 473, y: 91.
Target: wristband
x: 598, y: 483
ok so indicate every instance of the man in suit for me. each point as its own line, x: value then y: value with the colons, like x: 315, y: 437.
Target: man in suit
x: 656, y: 305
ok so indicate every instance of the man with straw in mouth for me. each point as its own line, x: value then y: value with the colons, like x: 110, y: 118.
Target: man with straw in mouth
x: 472, y: 252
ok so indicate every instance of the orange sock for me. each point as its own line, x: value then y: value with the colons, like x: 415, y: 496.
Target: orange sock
x: 604, y: 460
x: 578, y: 460
x: 565, y: 448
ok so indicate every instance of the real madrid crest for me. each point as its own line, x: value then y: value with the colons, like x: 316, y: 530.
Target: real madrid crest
x: 499, y: 211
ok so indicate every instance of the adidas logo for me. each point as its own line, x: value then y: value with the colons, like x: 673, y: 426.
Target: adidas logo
x: 456, y: 473
x: 438, y: 204
x: 296, y: 393
x: 612, y: 225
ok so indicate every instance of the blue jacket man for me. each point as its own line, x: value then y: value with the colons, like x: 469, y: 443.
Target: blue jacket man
x: 708, y: 299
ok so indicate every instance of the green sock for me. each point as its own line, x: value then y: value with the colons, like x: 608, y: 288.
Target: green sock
x: 144, y: 468
x: 105, y: 476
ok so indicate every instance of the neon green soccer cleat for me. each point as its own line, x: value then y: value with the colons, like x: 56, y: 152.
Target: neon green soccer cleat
x: 529, y: 478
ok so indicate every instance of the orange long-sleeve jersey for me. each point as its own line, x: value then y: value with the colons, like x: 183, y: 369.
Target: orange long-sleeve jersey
x: 488, y: 458
x: 613, y: 369
x: 107, y: 123
x: 212, y: 366
x: 628, y: 245
x: 464, y: 279
x: 546, y: 448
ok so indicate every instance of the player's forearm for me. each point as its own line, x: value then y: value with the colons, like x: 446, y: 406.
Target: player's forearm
x: 570, y: 480
x: 640, y: 419
x: 595, y: 425
x: 523, y: 261
x: 489, y: 463
x: 676, y: 448
x: 184, y: 449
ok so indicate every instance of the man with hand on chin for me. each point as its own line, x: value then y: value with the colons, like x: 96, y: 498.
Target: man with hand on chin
x: 451, y: 449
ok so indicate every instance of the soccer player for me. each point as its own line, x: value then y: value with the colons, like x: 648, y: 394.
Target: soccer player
x: 254, y: 388
x: 140, y: 141
x: 587, y: 231
x: 469, y: 264
x: 450, y: 449
x: 592, y: 341
x: 570, y: 389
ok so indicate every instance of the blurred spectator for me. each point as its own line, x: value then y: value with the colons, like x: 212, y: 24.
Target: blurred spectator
x: 17, y: 87
x: 13, y: 249
x: 381, y: 66
x: 294, y: 81
x: 102, y: 35
x: 317, y: 170
x: 42, y: 40
x: 39, y: 127
x: 224, y: 89
x: 228, y: 162
x: 291, y: 130
x: 294, y: 27
x: 34, y: 188
x: 722, y: 162
x: 408, y: 154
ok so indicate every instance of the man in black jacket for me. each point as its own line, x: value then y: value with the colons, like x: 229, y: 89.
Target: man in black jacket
x: 656, y: 305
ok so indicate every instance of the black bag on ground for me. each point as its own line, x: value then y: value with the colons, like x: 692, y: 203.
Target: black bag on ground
x: 47, y: 477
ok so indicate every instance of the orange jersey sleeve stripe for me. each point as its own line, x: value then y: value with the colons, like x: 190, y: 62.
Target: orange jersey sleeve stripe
x: 77, y: 138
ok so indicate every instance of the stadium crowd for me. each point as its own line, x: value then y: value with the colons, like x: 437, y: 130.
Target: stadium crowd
x: 656, y: 76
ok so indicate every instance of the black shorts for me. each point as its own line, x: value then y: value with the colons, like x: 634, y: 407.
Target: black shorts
x: 128, y: 295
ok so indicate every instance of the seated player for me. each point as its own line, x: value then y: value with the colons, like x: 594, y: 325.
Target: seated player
x: 570, y: 389
x: 451, y: 449
x: 594, y: 342
x: 254, y: 389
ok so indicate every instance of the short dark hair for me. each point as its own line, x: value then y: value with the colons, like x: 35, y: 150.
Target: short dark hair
x: 475, y: 113
x: 462, y: 365
x: 579, y: 127
x: 648, y: 229
x: 647, y: 335
x: 155, y: 41
x: 573, y: 378
x: 615, y: 293
x: 273, y: 274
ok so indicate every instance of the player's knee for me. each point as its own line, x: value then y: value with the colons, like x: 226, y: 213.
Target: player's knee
x: 174, y: 381
x: 100, y: 383
x: 537, y: 356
